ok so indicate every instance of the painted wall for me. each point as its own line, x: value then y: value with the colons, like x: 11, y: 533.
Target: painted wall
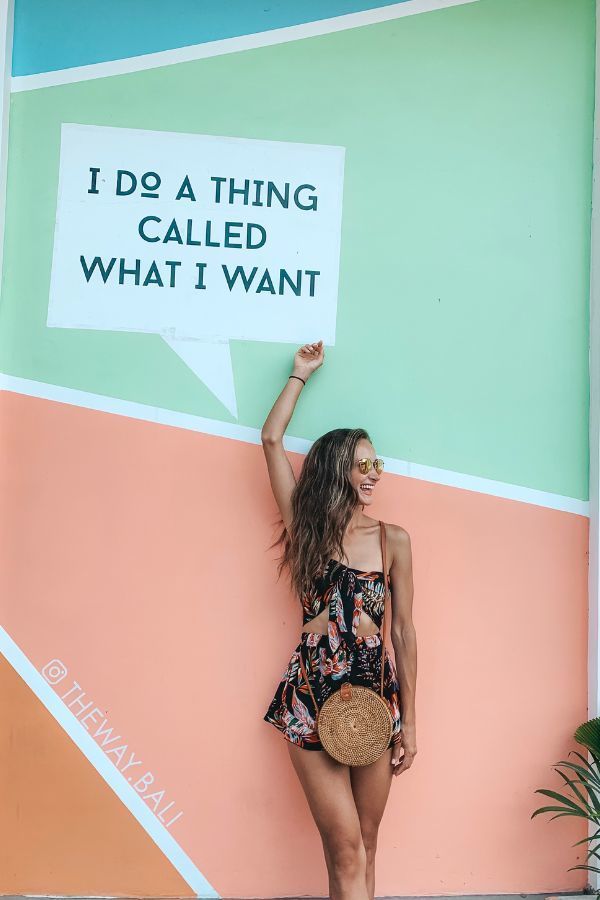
x: 142, y: 611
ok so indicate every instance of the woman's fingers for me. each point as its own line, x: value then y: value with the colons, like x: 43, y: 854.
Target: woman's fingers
x: 397, y: 757
x: 311, y: 355
x: 401, y: 763
x: 313, y: 349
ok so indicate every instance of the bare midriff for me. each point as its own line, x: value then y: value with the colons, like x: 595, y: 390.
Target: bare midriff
x: 318, y: 624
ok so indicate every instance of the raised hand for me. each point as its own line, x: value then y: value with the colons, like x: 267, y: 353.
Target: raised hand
x: 308, y: 358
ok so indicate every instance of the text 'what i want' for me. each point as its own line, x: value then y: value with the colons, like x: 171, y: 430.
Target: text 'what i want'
x: 251, y: 279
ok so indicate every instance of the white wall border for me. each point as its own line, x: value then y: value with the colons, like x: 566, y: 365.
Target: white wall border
x: 594, y: 433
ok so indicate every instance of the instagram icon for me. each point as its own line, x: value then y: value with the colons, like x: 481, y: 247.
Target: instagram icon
x: 54, y: 671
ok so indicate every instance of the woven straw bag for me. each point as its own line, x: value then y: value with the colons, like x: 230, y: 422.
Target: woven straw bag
x: 355, y: 723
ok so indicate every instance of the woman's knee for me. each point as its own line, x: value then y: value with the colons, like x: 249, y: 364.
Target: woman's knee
x: 346, y: 854
x: 369, y: 839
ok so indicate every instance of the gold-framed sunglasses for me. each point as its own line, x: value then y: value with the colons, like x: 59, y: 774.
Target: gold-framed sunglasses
x: 366, y: 464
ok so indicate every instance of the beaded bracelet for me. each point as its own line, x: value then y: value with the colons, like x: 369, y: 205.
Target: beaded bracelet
x: 299, y: 379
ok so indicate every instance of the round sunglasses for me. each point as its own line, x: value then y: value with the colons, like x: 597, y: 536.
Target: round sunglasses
x: 366, y: 464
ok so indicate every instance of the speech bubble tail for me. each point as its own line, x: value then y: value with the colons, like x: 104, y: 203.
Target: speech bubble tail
x: 211, y: 362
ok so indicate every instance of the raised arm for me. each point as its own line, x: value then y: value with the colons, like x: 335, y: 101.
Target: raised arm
x: 306, y: 360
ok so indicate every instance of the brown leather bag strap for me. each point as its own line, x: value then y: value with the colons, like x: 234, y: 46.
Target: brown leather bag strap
x: 386, y: 589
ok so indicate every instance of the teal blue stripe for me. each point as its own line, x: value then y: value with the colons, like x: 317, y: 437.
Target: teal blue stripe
x: 65, y: 33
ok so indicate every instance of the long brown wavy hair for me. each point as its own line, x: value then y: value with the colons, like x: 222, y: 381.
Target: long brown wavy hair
x: 323, y: 501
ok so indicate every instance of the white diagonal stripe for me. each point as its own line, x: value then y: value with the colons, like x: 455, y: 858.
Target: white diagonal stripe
x: 250, y: 435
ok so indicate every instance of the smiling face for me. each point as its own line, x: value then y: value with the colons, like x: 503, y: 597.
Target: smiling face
x: 364, y: 485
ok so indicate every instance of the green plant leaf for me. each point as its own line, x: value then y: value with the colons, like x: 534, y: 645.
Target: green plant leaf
x: 585, y: 761
x: 595, y: 757
x: 588, y: 734
x: 583, y: 866
x: 572, y: 784
x: 591, y: 773
x: 587, y: 775
x: 590, y: 837
x: 554, y: 795
x: 561, y: 812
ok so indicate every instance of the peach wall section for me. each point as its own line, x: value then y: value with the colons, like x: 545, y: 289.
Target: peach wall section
x: 137, y: 554
x: 62, y: 830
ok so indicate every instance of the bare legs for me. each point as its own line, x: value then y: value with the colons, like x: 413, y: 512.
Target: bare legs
x: 371, y: 786
x: 347, y: 804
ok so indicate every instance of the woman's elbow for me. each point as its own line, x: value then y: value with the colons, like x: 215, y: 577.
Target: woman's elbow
x: 402, y: 635
x: 269, y: 437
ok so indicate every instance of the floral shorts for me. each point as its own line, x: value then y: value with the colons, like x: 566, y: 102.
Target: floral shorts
x: 292, y: 710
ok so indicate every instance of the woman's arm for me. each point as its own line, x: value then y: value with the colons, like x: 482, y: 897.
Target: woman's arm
x: 404, y: 640
x: 307, y: 359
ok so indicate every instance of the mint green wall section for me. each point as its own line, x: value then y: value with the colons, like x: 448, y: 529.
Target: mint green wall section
x: 462, y: 321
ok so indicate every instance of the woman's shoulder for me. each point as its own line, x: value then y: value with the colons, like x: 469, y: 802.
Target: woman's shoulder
x: 399, y: 547
x: 398, y: 538
x: 395, y: 532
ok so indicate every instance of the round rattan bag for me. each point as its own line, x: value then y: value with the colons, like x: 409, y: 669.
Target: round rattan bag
x: 355, y: 724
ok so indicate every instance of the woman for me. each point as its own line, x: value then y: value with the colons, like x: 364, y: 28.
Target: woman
x: 324, y: 530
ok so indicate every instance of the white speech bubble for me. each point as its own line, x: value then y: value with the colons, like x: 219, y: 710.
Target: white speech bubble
x: 249, y: 251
